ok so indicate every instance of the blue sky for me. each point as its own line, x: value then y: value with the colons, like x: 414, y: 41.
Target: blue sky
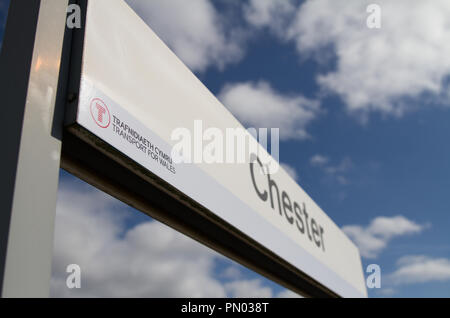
x: 3, y: 9
x: 372, y: 150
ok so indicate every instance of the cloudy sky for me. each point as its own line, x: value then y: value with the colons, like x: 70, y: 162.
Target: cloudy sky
x: 364, y: 119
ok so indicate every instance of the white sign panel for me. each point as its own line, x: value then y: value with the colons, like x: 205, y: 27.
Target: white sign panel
x: 135, y: 92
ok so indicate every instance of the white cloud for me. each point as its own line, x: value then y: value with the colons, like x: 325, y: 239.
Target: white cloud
x: 253, y: 288
x: 420, y: 269
x: 318, y: 160
x: 369, y: 245
x: 248, y: 289
x: 343, y: 166
x: 122, y: 260
x: 378, y: 69
x: 260, y: 106
x: 290, y: 171
x: 386, y: 292
x: 146, y: 260
x: 384, y: 70
x: 193, y: 29
x: 336, y: 171
x: 288, y: 294
x: 274, y: 14
x: 231, y: 272
x: 372, y: 239
x: 388, y: 227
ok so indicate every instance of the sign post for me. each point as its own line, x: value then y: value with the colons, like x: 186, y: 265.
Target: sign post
x: 102, y: 102
x: 135, y: 100
x: 30, y: 161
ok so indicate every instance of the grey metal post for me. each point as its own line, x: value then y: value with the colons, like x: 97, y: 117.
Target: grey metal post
x: 30, y: 156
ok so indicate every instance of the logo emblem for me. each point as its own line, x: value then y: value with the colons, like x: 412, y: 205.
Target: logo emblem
x: 100, y: 113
